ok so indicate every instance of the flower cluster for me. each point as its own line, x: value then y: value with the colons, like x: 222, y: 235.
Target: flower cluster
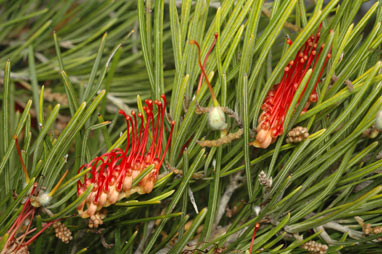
x: 279, y: 98
x: 297, y: 134
x: 367, y: 229
x: 112, y: 173
x: 62, y: 232
x: 315, y: 247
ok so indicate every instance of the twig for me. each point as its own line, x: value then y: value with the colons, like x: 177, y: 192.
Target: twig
x: 221, y: 141
x: 22, y: 76
x: 344, y: 229
x: 347, y: 82
x: 201, y: 110
x: 232, y: 114
x: 234, y: 183
x: 105, y: 244
x: 192, y: 200
x: 325, y: 235
x: 141, y: 246
x: 176, y: 171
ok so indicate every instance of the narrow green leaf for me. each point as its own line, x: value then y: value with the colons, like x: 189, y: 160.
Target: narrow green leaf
x: 72, y: 205
x: 175, y: 200
x: 89, y: 86
x: 190, y: 232
x: 20, y: 126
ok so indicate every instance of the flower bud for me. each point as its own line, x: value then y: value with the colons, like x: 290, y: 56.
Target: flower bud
x: 216, y: 119
x: 44, y: 199
x: 92, y: 208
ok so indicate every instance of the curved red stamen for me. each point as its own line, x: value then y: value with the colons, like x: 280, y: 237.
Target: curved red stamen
x: 95, y: 168
x: 79, y: 183
x: 131, y: 155
x: 185, y: 146
x: 157, y: 131
x: 159, y: 145
x: 257, y: 226
x: 155, y: 128
x: 205, y: 62
x: 143, y: 143
x: 111, y: 158
x: 140, y: 115
x: 164, y: 101
x: 101, y: 181
x: 127, y: 119
x: 203, y: 71
x: 167, y: 146
x: 134, y: 134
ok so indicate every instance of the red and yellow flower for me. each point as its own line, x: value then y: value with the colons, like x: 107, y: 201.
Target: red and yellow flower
x: 112, y: 173
x: 279, y: 98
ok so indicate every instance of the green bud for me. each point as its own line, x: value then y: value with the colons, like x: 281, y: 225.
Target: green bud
x: 216, y: 119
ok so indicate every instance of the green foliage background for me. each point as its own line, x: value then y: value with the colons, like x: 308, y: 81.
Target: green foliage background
x: 81, y: 61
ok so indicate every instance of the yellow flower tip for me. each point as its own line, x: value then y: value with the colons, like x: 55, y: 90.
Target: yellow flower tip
x: 255, y: 143
x: 58, y: 184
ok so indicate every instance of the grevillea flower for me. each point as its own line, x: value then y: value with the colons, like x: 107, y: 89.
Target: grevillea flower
x: 18, y: 236
x: 112, y: 173
x: 279, y: 98
x: 17, y: 242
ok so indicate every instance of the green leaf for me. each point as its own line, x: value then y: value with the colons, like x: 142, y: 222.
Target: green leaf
x: 71, y: 206
x: 190, y: 232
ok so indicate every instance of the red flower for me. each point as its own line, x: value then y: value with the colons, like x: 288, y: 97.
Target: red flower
x: 279, y: 98
x: 17, y: 243
x: 113, y: 172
